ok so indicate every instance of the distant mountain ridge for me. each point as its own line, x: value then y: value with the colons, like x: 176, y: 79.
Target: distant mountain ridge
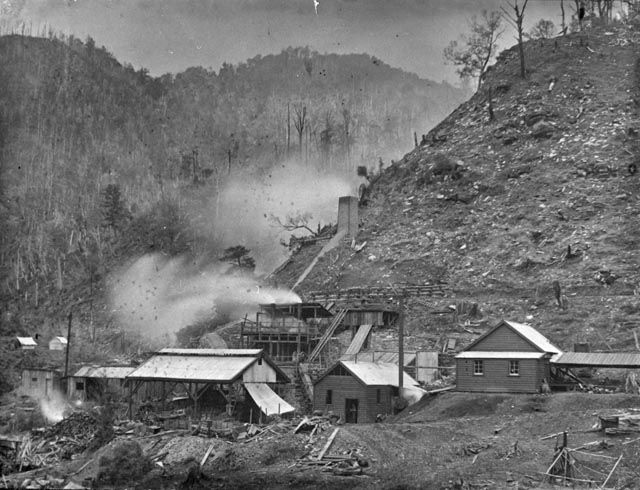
x: 100, y: 161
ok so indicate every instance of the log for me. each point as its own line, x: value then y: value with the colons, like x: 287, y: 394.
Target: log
x: 328, y: 444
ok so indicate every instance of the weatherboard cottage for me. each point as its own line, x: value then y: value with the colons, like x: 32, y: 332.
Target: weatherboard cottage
x: 509, y: 358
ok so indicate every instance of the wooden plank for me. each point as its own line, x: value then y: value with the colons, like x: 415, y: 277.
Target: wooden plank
x: 206, y: 456
x: 328, y: 444
x: 611, y: 472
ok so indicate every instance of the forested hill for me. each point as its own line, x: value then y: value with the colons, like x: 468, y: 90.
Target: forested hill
x: 100, y: 161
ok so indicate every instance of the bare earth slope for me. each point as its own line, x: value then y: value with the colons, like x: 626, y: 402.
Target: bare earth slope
x: 551, y: 171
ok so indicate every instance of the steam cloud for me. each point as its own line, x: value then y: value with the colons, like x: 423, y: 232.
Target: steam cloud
x: 157, y: 296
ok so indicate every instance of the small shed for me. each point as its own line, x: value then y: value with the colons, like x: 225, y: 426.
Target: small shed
x: 40, y: 382
x: 509, y: 358
x: 359, y: 392
x: 58, y: 343
x: 93, y: 382
x: 25, y: 343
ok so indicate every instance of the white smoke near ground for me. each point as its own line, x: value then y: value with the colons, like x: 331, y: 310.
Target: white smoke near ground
x: 53, y: 407
x: 157, y: 296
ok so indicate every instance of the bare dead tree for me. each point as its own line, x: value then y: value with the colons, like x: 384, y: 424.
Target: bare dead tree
x: 563, y: 25
x: 295, y: 222
x: 300, y: 122
x: 515, y: 19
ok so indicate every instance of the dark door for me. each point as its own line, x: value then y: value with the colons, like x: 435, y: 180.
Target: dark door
x: 351, y: 410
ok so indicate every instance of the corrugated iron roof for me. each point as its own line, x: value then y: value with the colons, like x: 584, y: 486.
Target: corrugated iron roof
x: 201, y: 368
x: 378, y: 373
x: 532, y: 335
x: 599, y: 359
x: 268, y: 400
x: 26, y: 341
x: 477, y: 354
x: 211, y: 352
x: 112, y: 372
x: 62, y: 340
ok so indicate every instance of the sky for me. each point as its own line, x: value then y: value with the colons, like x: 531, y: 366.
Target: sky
x: 172, y: 35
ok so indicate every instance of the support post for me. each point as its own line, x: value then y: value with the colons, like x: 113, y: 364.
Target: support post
x: 401, y: 345
x: 66, y: 361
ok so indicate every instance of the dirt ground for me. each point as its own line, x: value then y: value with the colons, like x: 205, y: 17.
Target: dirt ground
x: 448, y: 441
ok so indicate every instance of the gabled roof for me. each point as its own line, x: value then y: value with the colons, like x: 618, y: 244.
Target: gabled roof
x: 373, y: 373
x: 105, y: 372
x: 627, y: 360
x: 26, y: 341
x: 202, y: 365
x: 527, y: 332
x: 478, y: 354
x: 62, y: 340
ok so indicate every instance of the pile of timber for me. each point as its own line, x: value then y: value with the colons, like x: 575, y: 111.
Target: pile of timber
x: 349, y: 464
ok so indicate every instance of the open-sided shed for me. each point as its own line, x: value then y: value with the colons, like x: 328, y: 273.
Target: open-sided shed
x: 93, y: 382
x: 227, y: 371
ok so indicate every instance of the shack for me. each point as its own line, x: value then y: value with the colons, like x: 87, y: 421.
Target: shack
x: 25, y: 343
x: 509, y: 358
x: 40, y: 382
x: 361, y: 392
x: 286, y: 331
x: 96, y: 382
x: 58, y: 343
x: 235, y: 376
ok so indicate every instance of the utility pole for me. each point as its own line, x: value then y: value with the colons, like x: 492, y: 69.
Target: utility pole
x: 66, y: 361
x: 400, y: 344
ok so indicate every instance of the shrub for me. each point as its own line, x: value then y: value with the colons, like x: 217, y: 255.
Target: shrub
x: 124, y: 463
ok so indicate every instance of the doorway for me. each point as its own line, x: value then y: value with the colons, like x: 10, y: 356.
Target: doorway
x: 351, y: 410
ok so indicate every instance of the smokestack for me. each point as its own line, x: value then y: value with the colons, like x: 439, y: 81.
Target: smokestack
x: 348, y: 216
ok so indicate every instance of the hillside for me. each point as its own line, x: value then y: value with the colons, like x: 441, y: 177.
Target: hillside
x: 102, y: 164
x: 550, y: 172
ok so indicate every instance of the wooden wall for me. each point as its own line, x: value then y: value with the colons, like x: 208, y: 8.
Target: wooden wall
x: 496, y: 378
x: 504, y: 339
x: 39, y: 382
x: 344, y: 387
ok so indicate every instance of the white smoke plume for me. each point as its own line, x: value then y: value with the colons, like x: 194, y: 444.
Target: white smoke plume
x: 157, y: 296
x: 53, y: 407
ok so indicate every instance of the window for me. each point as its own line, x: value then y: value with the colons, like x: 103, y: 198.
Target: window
x: 34, y: 381
x: 79, y: 385
x: 514, y: 368
x: 378, y: 396
x: 329, y: 397
x: 478, y: 368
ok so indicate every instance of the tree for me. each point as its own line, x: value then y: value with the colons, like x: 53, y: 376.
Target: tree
x: 300, y: 123
x: 544, y: 29
x: 516, y: 20
x: 476, y: 50
x: 299, y: 221
x: 239, y: 255
x: 113, y: 210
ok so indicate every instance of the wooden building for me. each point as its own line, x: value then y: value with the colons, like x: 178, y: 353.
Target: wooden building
x: 286, y: 331
x: 40, y: 382
x: 25, y: 343
x: 96, y: 382
x: 58, y: 343
x: 359, y: 392
x: 230, y: 375
x: 510, y: 358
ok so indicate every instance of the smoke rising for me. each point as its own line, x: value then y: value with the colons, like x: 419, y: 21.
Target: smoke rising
x: 157, y: 296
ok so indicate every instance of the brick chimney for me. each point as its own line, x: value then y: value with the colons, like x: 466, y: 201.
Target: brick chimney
x: 348, y: 216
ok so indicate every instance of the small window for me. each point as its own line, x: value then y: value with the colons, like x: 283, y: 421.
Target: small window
x: 329, y: 398
x: 34, y: 381
x: 378, y: 395
x: 260, y: 362
x: 478, y: 368
x: 514, y: 368
x: 80, y: 385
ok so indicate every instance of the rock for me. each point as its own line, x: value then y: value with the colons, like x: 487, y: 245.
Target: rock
x: 542, y: 130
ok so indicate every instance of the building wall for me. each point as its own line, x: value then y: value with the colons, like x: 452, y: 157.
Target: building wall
x: 259, y: 373
x: 39, y: 383
x: 504, y: 339
x: 496, y: 376
x: 344, y: 387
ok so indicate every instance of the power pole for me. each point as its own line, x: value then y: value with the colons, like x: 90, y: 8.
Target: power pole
x: 66, y: 361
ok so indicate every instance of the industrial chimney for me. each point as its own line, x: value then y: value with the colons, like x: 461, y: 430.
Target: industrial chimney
x: 348, y: 216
